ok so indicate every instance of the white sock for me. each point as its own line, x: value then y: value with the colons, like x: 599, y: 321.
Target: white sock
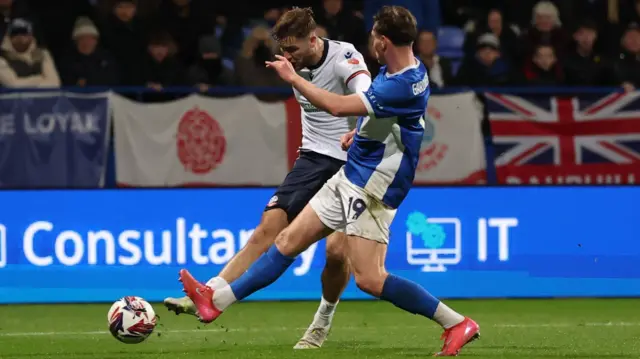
x: 446, y: 316
x: 223, y: 298
x: 217, y: 283
x: 324, y: 315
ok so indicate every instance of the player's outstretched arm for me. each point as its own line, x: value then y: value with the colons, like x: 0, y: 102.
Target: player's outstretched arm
x: 336, y: 105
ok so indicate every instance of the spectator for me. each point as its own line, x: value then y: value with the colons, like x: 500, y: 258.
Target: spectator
x: 162, y: 67
x: 370, y: 58
x: 341, y: 24
x: 22, y: 62
x: 427, y: 12
x: 584, y: 66
x: 88, y: 64
x: 439, y: 69
x: 627, y: 67
x: 249, y: 65
x: 9, y: 10
x: 186, y: 21
x: 125, y: 37
x: 487, y: 67
x: 495, y: 24
x: 321, y: 32
x: 547, y: 29
x: 544, y: 69
x: 209, y: 69
x: 631, y: 14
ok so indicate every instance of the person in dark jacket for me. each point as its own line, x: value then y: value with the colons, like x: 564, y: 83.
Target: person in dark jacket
x: 209, y: 69
x: 544, y: 69
x: 547, y: 29
x: 125, y: 36
x: 162, y: 66
x: 88, y: 64
x: 584, y: 66
x: 439, y: 69
x: 495, y: 23
x: 487, y: 67
x: 627, y: 66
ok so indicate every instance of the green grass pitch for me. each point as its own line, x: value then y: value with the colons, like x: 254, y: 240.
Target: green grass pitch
x: 589, y: 328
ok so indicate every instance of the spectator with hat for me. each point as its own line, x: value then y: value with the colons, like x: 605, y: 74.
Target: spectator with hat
x: 584, y: 65
x: 88, y: 64
x: 209, y: 69
x: 546, y: 30
x: 487, y: 67
x: 22, y: 62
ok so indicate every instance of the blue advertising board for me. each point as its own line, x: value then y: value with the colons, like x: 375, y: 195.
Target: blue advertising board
x: 99, y: 245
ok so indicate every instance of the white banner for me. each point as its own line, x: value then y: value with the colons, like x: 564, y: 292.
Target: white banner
x: 200, y: 141
x: 452, y: 148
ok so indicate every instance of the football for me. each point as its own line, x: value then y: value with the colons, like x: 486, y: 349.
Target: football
x: 131, y: 320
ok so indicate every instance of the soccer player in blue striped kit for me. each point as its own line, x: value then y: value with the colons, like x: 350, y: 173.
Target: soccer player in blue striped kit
x: 360, y: 200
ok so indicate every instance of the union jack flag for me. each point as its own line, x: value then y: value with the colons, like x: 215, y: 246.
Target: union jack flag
x: 557, y: 140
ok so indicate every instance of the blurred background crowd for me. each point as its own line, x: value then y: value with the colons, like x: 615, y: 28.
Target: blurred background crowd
x: 204, y: 43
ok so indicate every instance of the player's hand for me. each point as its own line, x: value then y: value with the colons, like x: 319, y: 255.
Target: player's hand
x: 283, y: 67
x: 347, y: 139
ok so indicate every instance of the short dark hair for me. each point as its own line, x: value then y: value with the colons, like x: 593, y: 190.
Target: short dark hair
x: 397, y: 24
x: 297, y: 22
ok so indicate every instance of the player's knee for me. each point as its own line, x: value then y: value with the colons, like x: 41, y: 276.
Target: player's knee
x: 285, y: 244
x: 263, y: 236
x: 336, y: 253
x: 370, y: 283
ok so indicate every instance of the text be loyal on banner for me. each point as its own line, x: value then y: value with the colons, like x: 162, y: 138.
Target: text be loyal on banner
x: 53, y: 139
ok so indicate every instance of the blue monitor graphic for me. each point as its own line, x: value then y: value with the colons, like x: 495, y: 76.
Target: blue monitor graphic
x: 433, y: 243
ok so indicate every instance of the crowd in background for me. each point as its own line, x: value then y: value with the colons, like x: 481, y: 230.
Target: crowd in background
x: 204, y: 43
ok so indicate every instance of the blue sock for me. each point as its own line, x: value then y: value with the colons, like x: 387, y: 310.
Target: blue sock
x: 269, y: 267
x: 409, y: 296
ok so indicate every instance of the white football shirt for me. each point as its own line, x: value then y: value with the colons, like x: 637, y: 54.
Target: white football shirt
x: 341, y: 63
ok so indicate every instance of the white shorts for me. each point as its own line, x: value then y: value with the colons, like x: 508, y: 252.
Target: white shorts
x: 345, y: 207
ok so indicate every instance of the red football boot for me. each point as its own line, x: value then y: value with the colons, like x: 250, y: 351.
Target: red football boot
x: 458, y: 336
x: 201, y: 295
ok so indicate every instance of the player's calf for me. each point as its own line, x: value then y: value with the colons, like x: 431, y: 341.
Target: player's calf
x: 335, y: 277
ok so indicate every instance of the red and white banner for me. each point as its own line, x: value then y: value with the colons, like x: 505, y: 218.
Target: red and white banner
x: 241, y: 141
x: 202, y: 141
x: 452, y: 147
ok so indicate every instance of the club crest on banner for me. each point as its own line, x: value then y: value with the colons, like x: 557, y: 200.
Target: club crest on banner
x: 200, y: 142
x: 431, y: 152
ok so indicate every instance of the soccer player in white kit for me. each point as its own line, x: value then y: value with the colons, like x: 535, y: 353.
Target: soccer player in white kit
x: 361, y: 200
x: 339, y: 68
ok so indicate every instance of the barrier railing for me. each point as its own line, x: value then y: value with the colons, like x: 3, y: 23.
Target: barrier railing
x: 233, y: 90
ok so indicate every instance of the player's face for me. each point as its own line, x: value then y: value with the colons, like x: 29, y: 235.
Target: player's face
x: 299, y: 51
x: 380, y: 45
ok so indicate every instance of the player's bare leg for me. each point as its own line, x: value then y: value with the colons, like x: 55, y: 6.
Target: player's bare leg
x: 367, y: 262
x: 305, y: 230
x: 335, y: 277
x: 271, y: 223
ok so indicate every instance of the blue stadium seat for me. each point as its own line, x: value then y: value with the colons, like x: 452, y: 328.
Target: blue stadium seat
x: 451, y: 42
x: 228, y: 63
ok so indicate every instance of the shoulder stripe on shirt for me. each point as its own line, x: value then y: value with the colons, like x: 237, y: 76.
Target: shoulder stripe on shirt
x: 353, y: 75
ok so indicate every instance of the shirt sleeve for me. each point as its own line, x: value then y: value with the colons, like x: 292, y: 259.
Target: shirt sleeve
x: 393, y: 97
x: 350, y: 65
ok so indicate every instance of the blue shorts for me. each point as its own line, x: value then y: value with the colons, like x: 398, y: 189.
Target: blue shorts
x: 310, y: 172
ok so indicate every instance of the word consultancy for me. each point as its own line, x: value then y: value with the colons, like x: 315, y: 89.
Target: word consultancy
x: 460, y: 242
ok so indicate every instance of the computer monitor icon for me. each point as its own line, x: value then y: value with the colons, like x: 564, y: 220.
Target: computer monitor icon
x: 436, y: 258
